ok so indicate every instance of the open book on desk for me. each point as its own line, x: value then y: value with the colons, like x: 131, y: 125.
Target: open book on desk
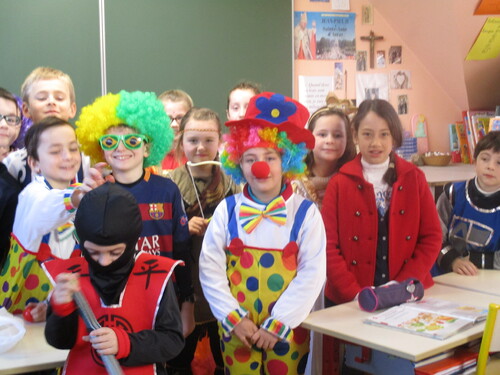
x: 429, y: 317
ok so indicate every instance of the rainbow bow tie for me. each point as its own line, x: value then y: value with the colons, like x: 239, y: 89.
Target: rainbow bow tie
x: 250, y: 216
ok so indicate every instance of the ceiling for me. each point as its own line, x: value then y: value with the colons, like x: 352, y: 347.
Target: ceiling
x: 440, y: 33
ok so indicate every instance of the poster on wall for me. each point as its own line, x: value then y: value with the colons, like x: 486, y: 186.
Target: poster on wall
x: 400, y: 79
x: 361, y: 57
x: 338, y: 76
x: 324, y: 36
x: 395, y: 55
x: 371, y: 86
x: 402, y: 104
x: 313, y: 91
x: 380, y: 59
x: 341, y: 5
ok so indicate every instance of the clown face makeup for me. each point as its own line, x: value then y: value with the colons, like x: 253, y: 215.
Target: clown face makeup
x: 264, y: 186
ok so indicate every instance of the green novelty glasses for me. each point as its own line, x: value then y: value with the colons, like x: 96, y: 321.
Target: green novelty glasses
x: 109, y: 142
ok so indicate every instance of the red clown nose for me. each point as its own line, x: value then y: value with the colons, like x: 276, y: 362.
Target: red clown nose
x: 260, y: 169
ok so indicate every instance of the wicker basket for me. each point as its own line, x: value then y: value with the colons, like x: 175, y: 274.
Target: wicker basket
x: 437, y: 160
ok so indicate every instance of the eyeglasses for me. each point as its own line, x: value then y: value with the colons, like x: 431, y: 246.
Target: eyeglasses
x: 11, y: 120
x: 177, y: 119
x: 109, y: 142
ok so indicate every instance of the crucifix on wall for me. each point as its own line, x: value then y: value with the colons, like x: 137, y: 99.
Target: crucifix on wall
x: 372, y: 38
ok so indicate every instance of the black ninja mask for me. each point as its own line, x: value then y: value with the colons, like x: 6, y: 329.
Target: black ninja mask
x: 106, y: 216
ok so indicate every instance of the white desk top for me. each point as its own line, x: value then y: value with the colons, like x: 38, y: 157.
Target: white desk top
x: 346, y: 322
x: 32, y: 353
x: 450, y: 173
x: 486, y: 281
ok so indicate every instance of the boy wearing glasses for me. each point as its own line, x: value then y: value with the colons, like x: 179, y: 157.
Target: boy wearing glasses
x: 10, y: 122
x: 10, y: 126
x: 177, y: 103
x: 130, y: 131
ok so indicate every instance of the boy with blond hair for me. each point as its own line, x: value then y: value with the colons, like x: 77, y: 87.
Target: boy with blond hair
x: 45, y: 92
x: 177, y: 103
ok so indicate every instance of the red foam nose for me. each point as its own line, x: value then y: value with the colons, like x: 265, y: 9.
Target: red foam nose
x: 260, y: 169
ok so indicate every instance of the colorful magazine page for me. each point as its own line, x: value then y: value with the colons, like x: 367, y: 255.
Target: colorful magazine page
x: 430, y: 317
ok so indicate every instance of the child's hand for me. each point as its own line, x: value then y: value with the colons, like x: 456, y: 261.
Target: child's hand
x: 197, y: 226
x: 464, y: 266
x: 103, y: 340
x: 66, y: 285
x: 38, y: 311
x: 263, y: 339
x: 96, y: 177
x: 244, y: 330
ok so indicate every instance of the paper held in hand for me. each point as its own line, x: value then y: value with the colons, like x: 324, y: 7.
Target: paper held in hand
x: 430, y: 317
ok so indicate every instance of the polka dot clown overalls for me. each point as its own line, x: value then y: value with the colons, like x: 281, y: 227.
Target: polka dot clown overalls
x: 22, y: 279
x: 257, y: 278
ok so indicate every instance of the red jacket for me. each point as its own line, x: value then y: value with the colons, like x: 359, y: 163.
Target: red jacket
x: 351, y: 222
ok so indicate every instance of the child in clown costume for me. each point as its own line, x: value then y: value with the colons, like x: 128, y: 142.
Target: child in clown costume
x: 262, y: 263
x: 43, y: 226
x: 130, y: 131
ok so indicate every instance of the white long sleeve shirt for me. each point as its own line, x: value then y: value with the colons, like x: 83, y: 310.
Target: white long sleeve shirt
x: 296, y: 302
x: 40, y: 211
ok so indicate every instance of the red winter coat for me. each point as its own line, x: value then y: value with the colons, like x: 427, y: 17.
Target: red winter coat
x: 351, y: 222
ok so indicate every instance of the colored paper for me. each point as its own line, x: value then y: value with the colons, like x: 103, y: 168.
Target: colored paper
x: 487, y: 44
x: 488, y: 7
x: 313, y: 91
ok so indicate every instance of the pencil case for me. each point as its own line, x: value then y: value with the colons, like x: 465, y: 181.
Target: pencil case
x: 395, y: 293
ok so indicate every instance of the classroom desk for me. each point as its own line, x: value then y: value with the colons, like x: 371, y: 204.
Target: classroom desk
x: 345, y: 322
x: 32, y: 353
x: 486, y: 281
x: 438, y: 176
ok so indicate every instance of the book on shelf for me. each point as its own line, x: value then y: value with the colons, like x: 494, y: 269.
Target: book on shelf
x: 462, y: 361
x: 494, y: 124
x: 477, y: 124
x: 435, y: 358
x: 463, y: 143
x: 431, y: 317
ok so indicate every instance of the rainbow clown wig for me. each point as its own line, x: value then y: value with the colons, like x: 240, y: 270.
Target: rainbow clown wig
x: 139, y: 110
x: 271, y: 121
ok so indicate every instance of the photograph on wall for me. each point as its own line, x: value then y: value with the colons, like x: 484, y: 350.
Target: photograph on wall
x: 371, y: 86
x: 395, y: 55
x: 380, y: 58
x: 402, y: 104
x: 324, y: 36
x: 338, y: 76
x: 400, y: 79
x: 313, y: 91
x: 361, y: 57
x: 367, y: 14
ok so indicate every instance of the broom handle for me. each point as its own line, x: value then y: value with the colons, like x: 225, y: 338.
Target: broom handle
x: 110, y: 363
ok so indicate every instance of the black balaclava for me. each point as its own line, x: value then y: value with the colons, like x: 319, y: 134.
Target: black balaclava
x: 106, y: 216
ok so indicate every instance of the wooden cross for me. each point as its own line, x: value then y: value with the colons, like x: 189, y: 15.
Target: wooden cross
x: 372, y: 38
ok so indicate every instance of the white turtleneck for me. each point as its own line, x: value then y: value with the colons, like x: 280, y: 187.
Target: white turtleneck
x: 374, y: 173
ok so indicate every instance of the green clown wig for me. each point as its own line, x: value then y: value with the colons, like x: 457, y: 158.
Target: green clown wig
x: 139, y: 110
